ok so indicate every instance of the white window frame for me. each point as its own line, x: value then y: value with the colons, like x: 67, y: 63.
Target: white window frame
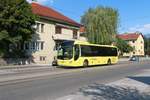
x: 35, y: 45
x: 40, y: 27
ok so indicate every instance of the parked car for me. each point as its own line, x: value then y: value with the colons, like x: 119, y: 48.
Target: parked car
x: 54, y: 63
x: 134, y: 58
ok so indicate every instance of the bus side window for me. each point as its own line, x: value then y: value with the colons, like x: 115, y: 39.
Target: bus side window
x: 76, y: 52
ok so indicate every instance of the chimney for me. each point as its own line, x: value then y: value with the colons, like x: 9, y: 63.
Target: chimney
x: 34, y: 1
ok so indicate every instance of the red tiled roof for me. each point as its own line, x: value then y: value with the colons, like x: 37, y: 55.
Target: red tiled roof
x: 129, y: 36
x: 50, y: 13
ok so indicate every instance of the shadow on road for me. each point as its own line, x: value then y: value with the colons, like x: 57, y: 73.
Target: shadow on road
x: 105, y: 92
x: 79, y: 67
x: 143, y: 79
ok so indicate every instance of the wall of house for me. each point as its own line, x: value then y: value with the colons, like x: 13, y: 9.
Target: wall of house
x: 46, y: 55
x: 67, y: 34
x: 138, y: 46
x: 48, y: 37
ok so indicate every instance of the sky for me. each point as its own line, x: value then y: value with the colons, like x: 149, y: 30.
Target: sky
x: 134, y: 15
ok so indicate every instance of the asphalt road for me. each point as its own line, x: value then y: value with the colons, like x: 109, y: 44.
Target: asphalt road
x: 52, y: 87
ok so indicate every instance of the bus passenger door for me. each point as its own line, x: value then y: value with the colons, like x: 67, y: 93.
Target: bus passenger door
x: 76, y: 52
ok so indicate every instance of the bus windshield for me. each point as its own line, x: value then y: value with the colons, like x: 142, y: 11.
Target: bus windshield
x: 65, y: 50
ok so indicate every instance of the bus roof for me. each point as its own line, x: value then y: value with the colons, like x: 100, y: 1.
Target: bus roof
x: 87, y: 43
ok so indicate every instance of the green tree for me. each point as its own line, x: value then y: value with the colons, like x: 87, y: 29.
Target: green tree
x: 101, y: 24
x: 123, y: 46
x: 16, y: 21
x: 147, y: 45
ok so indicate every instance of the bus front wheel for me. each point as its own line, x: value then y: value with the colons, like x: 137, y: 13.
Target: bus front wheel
x: 85, y: 63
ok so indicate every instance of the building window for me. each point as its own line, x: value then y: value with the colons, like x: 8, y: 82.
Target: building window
x: 58, y: 30
x: 56, y: 45
x: 42, y: 58
x: 32, y: 46
x: 75, y: 34
x: 42, y: 45
x: 40, y: 27
x: 26, y: 46
x: 35, y: 45
x: 133, y: 41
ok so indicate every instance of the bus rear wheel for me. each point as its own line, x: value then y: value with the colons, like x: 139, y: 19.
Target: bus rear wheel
x: 85, y: 63
x: 109, y: 62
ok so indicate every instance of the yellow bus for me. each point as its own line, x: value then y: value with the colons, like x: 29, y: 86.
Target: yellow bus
x: 79, y: 53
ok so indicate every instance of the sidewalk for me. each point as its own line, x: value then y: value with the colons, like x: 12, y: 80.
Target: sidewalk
x: 23, y: 66
x: 130, y: 88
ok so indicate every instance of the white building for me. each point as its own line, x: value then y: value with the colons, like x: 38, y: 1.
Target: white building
x: 51, y: 28
x: 136, y: 41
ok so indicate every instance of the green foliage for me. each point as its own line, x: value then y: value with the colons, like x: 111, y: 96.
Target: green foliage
x: 101, y: 24
x: 16, y: 21
x: 123, y: 46
x: 147, y: 45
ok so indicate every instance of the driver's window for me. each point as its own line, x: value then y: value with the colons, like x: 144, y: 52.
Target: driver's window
x: 76, y: 52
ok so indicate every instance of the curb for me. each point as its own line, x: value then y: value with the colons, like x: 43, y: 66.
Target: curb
x: 22, y: 66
